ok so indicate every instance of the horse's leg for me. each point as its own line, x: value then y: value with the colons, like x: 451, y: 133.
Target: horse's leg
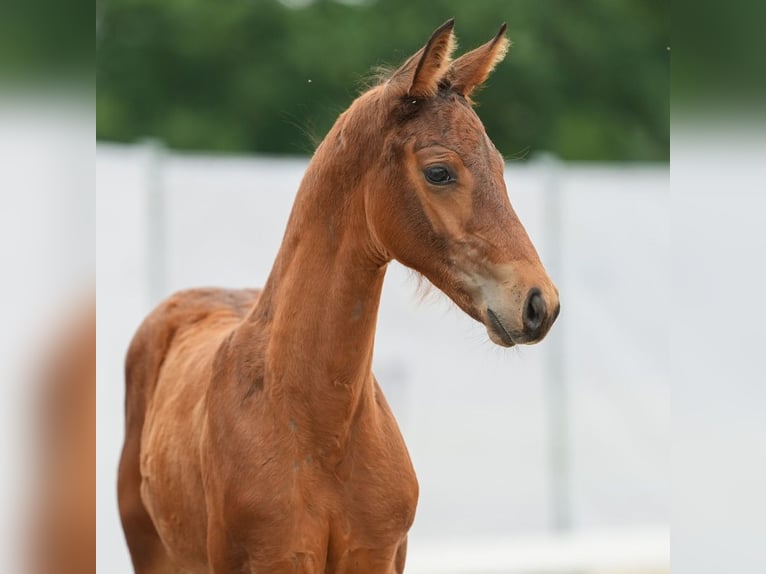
x: 146, y: 549
x: 227, y: 556
x: 224, y: 557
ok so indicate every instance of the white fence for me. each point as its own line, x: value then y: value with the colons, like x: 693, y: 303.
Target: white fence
x: 552, y: 458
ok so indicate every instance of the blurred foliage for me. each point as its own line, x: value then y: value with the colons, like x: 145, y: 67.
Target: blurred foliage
x: 718, y: 58
x: 585, y: 79
x: 45, y: 41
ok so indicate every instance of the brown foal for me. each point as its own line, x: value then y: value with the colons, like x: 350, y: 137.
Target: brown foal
x: 257, y: 438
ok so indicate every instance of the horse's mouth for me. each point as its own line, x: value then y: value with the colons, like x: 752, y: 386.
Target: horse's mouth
x: 503, y: 336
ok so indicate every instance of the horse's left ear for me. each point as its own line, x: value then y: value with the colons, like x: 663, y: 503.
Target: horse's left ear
x: 471, y: 69
x: 420, y: 75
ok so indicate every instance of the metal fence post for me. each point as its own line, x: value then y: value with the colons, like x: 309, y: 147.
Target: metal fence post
x: 155, y: 254
x: 556, y: 392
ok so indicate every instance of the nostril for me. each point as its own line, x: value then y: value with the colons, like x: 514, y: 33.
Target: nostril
x: 534, y: 311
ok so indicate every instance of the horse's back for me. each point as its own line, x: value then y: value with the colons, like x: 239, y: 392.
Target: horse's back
x: 168, y: 368
x: 192, y: 318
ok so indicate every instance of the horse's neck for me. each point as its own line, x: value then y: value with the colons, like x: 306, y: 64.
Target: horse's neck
x: 320, y: 306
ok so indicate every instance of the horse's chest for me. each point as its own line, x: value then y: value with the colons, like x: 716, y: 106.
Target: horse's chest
x: 312, y: 497
x: 336, y: 505
x: 373, y: 499
x: 375, y: 512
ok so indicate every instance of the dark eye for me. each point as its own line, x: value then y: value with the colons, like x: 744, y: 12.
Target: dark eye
x: 439, y: 175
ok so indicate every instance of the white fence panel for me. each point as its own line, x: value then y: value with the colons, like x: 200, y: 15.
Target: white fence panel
x: 475, y: 417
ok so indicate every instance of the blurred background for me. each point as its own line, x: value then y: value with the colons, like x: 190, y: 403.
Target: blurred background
x: 552, y: 458
x: 47, y: 288
x: 586, y: 80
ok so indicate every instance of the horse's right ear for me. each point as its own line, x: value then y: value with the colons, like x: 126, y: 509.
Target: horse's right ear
x: 421, y: 73
x: 471, y: 70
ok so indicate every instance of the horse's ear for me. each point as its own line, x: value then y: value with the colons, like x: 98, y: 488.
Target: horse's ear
x: 471, y: 69
x: 423, y: 71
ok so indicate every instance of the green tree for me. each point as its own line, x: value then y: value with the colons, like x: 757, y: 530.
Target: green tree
x: 585, y: 79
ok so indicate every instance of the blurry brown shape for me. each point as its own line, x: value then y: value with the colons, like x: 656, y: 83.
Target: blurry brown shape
x: 64, y: 536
